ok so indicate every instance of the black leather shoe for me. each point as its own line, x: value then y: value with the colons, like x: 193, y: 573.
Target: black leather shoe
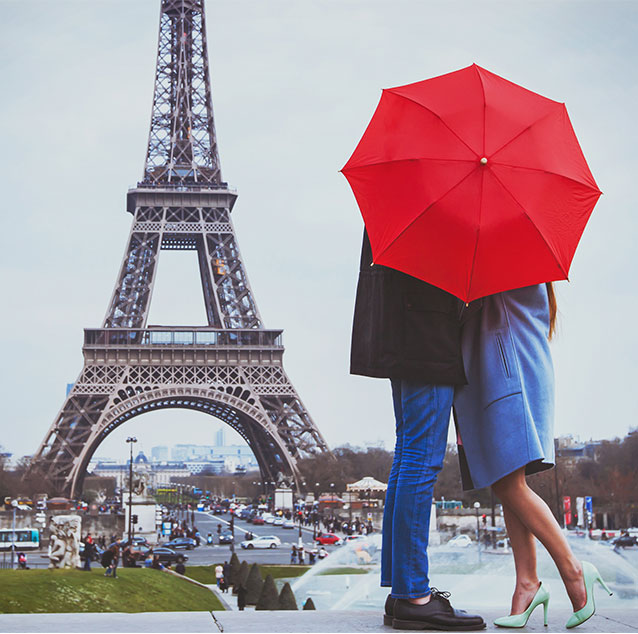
x: 389, y: 610
x: 436, y: 614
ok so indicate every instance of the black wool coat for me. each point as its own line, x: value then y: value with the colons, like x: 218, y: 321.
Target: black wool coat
x: 404, y: 328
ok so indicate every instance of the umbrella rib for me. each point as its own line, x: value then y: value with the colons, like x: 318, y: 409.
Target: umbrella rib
x: 551, y: 250
x: 478, y: 234
x: 420, y: 215
x: 493, y: 154
x: 423, y: 158
x: 476, y: 68
x: 538, y: 169
x: 437, y: 116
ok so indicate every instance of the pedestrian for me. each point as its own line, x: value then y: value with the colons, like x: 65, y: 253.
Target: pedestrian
x: 116, y: 560
x: 226, y: 571
x: 88, y: 555
x: 409, y: 331
x: 180, y: 568
x: 157, y: 564
x: 241, y: 597
x: 22, y: 561
x: 323, y: 553
x: 107, y: 561
x: 505, y: 421
x: 223, y: 585
x: 219, y: 573
x: 311, y: 556
x: 293, y: 554
x: 301, y: 554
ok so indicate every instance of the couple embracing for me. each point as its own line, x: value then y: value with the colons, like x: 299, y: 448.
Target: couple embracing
x: 469, y: 186
x: 490, y: 361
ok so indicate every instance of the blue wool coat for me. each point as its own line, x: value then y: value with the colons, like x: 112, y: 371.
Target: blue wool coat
x: 505, y: 414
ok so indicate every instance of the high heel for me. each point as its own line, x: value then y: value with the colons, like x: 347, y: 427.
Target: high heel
x: 520, y: 620
x: 590, y: 576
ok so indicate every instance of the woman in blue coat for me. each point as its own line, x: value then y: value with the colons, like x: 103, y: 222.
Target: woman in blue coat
x: 505, y: 421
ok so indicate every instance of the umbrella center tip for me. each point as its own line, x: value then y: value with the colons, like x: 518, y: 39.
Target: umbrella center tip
x: 483, y: 161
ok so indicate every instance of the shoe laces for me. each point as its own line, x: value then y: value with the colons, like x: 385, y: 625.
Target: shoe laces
x: 443, y: 595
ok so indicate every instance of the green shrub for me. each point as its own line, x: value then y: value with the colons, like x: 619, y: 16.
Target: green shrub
x: 287, y: 599
x: 234, y: 569
x: 241, y: 576
x: 253, y: 585
x: 309, y: 604
x: 269, y: 597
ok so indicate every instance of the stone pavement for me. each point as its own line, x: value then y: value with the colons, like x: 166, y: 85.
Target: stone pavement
x: 620, y: 620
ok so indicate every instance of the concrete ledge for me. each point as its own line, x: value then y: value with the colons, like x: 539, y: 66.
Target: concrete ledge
x: 620, y: 620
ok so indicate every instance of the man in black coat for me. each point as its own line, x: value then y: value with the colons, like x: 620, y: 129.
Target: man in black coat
x: 410, y: 332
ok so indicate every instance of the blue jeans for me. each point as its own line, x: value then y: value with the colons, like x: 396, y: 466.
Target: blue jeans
x: 422, y: 415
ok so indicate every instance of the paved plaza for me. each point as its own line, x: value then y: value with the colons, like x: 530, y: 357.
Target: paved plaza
x: 252, y: 621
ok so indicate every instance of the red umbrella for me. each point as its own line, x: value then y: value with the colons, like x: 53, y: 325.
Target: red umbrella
x: 472, y: 183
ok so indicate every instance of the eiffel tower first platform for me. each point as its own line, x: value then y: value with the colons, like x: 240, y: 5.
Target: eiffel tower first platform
x: 232, y: 368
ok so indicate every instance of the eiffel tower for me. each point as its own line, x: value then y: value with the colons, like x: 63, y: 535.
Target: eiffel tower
x: 232, y: 368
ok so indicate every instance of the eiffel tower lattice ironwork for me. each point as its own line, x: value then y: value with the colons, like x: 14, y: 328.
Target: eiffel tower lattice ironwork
x: 231, y: 368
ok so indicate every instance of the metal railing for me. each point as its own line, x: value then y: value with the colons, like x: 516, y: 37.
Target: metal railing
x: 168, y: 336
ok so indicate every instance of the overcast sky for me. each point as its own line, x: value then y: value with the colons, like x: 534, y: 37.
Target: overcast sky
x: 294, y: 85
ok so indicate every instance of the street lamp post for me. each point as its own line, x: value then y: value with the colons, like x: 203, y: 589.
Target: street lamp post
x: 315, y: 512
x: 332, y: 499
x: 478, y: 536
x: 232, y: 531
x: 131, y: 440
x: 14, y: 506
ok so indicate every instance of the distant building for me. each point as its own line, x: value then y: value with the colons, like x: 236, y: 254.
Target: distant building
x: 157, y: 473
x: 159, y: 454
x: 220, y: 437
x: 572, y: 449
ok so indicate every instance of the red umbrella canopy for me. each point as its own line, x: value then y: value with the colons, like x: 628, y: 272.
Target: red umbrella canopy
x: 472, y: 183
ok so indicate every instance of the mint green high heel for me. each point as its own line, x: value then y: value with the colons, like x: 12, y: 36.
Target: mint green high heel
x: 590, y: 576
x: 520, y: 620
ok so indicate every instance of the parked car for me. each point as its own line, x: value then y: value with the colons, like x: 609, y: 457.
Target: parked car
x: 137, y: 540
x: 355, y: 538
x: 263, y: 541
x: 226, y: 538
x: 289, y: 524
x: 187, y: 543
x: 625, y: 541
x: 138, y: 551
x: 328, y: 538
x: 168, y: 555
x: 460, y: 541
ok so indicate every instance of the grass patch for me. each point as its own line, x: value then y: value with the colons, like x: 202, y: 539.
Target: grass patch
x: 345, y: 571
x: 279, y: 572
x: 206, y: 574
x: 134, y: 590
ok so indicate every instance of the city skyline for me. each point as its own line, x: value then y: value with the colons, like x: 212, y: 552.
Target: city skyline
x: 301, y: 246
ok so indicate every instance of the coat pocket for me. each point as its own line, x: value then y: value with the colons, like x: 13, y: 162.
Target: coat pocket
x: 499, y: 371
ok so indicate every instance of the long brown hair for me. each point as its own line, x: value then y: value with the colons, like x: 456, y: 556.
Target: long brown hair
x: 553, y: 309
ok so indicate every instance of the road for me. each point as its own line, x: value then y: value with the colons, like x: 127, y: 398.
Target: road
x: 205, y: 555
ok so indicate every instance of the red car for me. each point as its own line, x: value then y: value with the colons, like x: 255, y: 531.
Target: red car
x: 258, y: 520
x: 328, y: 538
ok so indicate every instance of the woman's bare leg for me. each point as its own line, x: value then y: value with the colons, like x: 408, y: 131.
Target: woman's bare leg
x: 524, y: 548
x: 533, y: 513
